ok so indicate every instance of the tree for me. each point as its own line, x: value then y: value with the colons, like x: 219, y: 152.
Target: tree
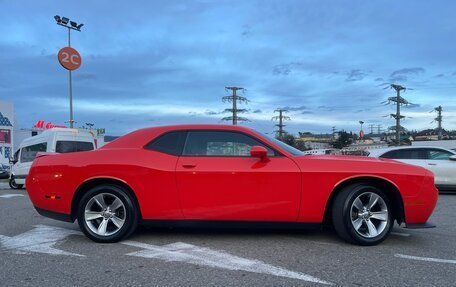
x: 289, y: 139
x: 343, y: 140
x: 300, y: 145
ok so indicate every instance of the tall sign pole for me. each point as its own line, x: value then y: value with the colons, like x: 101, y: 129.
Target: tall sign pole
x: 68, y: 57
x: 71, y: 86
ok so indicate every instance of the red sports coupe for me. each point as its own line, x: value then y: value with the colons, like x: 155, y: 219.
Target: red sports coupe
x: 226, y: 174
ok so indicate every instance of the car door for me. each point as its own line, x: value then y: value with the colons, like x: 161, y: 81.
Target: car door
x: 217, y: 179
x: 444, y: 169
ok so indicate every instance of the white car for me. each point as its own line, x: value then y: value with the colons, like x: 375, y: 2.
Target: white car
x: 441, y: 161
x: 55, y: 140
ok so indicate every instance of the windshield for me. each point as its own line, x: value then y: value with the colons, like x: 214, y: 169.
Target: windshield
x: 281, y: 144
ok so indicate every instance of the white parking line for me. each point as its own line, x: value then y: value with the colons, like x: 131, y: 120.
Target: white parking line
x: 41, y: 239
x: 429, y: 259
x: 400, y: 234
x: 203, y: 256
x: 10, y: 195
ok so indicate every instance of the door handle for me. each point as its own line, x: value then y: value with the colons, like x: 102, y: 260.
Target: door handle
x: 432, y: 164
x: 189, y: 165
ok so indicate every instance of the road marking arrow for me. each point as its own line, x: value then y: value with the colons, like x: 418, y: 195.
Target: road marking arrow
x: 10, y: 195
x: 39, y: 240
x: 188, y: 253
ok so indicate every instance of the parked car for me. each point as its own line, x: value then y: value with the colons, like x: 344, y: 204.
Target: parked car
x: 4, y: 171
x: 58, y: 140
x: 441, y: 161
x: 221, y: 173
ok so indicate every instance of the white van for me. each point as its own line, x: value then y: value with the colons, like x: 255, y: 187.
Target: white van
x: 58, y: 140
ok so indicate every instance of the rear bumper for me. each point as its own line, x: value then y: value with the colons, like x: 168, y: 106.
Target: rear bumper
x: 54, y: 215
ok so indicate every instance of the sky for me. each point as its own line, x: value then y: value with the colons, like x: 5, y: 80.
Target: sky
x: 148, y: 63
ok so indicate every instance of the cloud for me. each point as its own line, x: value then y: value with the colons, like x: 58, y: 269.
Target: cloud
x: 412, y: 105
x: 355, y: 75
x: 155, y: 68
x: 293, y: 109
x: 403, y: 74
x: 286, y: 69
x: 257, y: 111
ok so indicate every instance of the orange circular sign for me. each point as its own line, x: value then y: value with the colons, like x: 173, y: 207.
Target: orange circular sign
x: 69, y: 58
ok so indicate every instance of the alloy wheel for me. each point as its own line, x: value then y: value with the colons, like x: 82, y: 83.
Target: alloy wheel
x: 369, y: 214
x: 105, y: 214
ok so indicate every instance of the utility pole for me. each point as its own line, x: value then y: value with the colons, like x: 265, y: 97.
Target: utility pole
x: 371, y: 127
x: 281, y: 118
x: 439, y: 121
x: 399, y: 101
x: 379, y: 128
x: 333, y: 129
x: 234, y: 98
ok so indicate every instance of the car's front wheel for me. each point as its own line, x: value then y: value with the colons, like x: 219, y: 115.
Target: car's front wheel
x: 14, y: 185
x: 362, y: 214
x: 107, y: 214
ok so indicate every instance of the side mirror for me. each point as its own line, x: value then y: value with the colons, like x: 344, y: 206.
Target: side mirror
x: 259, y: 152
x: 453, y: 157
x: 12, y: 160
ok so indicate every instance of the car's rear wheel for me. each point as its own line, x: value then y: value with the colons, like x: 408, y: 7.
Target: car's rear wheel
x: 14, y: 185
x: 107, y: 213
x: 362, y: 214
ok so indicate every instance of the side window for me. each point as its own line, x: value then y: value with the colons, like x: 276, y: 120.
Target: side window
x: 28, y: 153
x: 220, y: 143
x: 405, y: 154
x: 72, y: 146
x: 170, y: 143
x: 437, y: 154
x: 391, y: 154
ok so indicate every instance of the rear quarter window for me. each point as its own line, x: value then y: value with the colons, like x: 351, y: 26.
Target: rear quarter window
x: 72, y: 146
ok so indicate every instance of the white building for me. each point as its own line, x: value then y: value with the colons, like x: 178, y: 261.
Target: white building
x: 6, y: 131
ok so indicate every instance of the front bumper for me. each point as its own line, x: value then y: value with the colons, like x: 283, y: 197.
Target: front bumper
x: 420, y: 225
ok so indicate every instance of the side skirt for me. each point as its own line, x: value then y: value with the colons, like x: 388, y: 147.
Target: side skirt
x: 226, y: 224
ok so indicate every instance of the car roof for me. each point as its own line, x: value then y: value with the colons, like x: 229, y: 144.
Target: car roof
x: 381, y: 151
x: 143, y: 136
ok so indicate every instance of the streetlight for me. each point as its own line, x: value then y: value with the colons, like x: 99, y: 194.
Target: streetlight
x: 361, y: 133
x: 63, y: 21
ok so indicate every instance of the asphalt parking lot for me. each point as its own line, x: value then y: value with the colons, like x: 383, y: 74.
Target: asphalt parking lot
x: 36, y: 251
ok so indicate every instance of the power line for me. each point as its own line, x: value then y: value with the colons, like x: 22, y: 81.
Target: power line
x: 371, y: 127
x: 281, y: 118
x: 234, y: 98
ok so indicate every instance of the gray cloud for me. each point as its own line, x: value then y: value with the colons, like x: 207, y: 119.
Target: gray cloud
x: 286, y: 69
x: 293, y: 109
x: 403, y: 74
x: 355, y: 75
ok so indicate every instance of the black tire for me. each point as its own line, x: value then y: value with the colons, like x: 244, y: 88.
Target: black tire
x: 130, y: 213
x: 14, y: 185
x: 342, y: 215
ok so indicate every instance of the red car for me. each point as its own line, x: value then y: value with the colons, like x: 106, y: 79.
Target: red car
x: 226, y: 173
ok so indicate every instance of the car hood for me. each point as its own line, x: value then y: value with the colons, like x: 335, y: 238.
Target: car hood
x: 361, y: 164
